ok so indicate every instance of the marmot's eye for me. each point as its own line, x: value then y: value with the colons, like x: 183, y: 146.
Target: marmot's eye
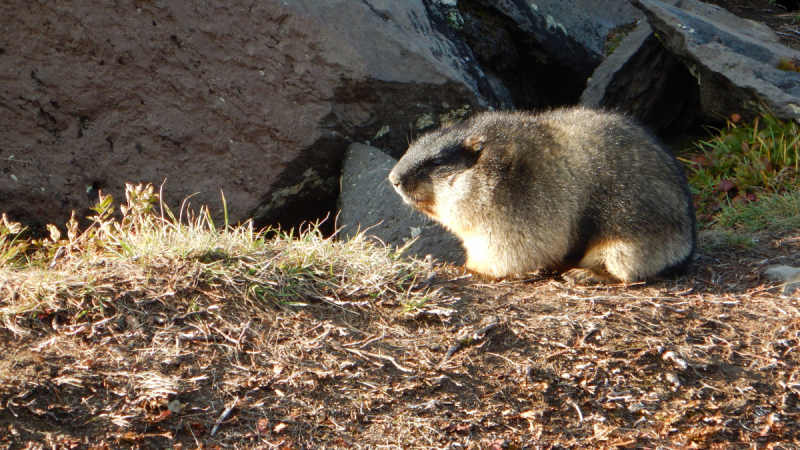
x: 437, y: 162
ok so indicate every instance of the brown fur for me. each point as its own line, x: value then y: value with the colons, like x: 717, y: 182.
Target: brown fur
x: 570, y: 188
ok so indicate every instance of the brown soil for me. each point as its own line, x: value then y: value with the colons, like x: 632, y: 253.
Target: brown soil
x: 710, y: 360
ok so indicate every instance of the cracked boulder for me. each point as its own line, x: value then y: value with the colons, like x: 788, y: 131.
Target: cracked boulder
x: 539, y: 54
x: 736, y: 62
x: 369, y: 203
x: 644, y: 79
x: 257, y: 100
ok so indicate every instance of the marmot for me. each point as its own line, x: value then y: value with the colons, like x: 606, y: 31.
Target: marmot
x: 578, y: 190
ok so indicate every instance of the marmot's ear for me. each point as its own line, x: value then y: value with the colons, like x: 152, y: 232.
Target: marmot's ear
x: 474, y: 143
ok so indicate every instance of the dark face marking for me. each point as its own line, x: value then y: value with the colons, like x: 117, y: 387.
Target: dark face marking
x: 432, y: 158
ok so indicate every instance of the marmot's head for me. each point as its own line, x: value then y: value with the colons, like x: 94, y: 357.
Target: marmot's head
x: 437, y: 169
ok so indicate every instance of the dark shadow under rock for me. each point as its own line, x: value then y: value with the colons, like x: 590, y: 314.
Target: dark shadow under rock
x: 735, y: 61
x: 643, y: 79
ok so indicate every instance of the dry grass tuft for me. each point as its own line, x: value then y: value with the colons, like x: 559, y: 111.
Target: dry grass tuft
x: 147, y: 257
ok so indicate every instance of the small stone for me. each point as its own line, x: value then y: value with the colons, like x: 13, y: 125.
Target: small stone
x: 786, y: 275
x: 673, y: 379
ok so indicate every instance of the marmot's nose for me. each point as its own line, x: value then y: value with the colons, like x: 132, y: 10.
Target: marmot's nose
x: 394, y: 178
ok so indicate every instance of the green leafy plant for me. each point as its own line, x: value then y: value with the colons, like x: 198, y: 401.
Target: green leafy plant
x: 789, y: 65
x: 744, y: 162
x: 615, y: 37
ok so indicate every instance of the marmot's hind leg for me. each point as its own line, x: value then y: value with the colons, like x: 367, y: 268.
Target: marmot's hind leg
x: 631, y: 261
x: 614, y: 261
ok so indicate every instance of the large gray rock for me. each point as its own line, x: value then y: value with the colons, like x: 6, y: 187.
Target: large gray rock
x: 257, y: 99
x: 733, y: 59
x: 643, y: 79
x: 573, y: 31
x: 368, y: 202
x: 541, y: 51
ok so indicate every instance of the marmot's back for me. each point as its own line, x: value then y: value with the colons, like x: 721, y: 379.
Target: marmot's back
x: 570, y: 188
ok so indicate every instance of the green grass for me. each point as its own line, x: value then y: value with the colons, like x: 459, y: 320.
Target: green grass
x: 715, y: 238
x: 742, y: 164
x: 771, y: 213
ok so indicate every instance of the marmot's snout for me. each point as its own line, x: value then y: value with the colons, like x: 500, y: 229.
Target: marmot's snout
x: 414, y: 186
x: 400, y: 184
x: 394, y: 178
x: 406, y: 182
